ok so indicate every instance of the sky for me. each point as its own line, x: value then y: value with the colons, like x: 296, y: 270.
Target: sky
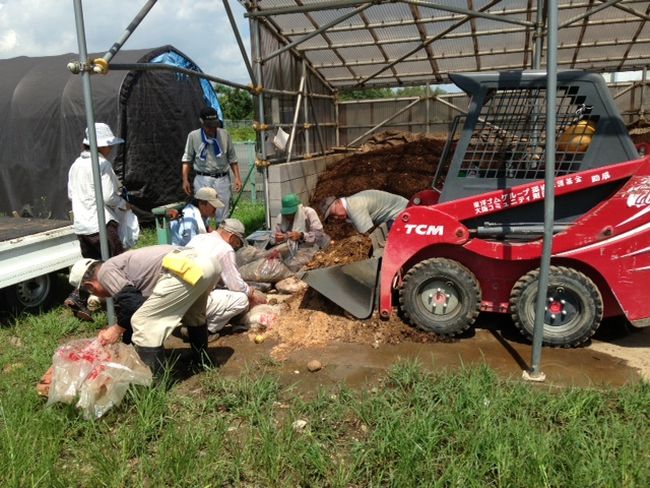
x: 198, y: 28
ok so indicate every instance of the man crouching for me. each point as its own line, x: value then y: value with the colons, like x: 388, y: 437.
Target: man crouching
x: 175, y: 284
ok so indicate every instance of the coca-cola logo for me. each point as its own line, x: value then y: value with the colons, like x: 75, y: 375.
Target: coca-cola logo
x: 638, y: 199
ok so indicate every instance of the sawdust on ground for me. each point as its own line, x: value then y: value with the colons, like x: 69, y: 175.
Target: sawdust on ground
x: 308, y: 319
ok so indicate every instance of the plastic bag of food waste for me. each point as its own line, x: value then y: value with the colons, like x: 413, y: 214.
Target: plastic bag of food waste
x: 259, y: 317
x: 270, y: 269
x: 248, y: 254
x: 97, y: 375
x: 290, y: 285
x: 301, y: 257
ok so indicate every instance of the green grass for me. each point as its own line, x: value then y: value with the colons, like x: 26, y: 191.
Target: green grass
x: 467, y: 428
x: 242, y: 134
x: 252, y: 215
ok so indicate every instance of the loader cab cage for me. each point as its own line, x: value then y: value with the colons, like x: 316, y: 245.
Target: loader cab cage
x: 501, y: 141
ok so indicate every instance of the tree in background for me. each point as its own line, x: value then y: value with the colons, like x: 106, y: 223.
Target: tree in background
x: 418, y: 91
x: 236, y: 104
x: 365, y: 94
x: 408, y: 91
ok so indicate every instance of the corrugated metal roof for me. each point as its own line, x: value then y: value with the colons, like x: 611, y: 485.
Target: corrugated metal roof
x: 391, y: 43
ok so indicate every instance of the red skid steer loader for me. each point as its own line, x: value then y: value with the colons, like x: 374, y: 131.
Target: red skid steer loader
x: 475, y: 243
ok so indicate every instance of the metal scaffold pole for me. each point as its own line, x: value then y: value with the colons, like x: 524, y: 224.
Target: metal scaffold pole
x: 257, y: 61
x: 535, y: 373
x: 92, y: 139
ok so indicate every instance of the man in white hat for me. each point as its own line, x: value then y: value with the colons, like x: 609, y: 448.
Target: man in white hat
x: 235, y: 296
x: 211, y: 153
x: 174, y: 283
x: 81, y: 192
x: 193, y: 219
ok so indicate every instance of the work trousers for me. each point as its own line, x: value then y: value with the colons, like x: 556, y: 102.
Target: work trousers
x: 174, y: 302
x: 90, y: 247
x: 222, y: 306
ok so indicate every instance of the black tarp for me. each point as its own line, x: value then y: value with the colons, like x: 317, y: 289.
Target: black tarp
x: 42, y: 123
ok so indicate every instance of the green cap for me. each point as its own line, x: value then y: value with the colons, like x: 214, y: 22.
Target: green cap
x: 290, y: 204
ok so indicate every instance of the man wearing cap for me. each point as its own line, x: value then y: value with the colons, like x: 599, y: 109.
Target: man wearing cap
x: 81, y: 192
x: 365, y: 210
x: 224, y: 304
x: 210, y: 151
x: 193, y: 219
x: 175, y: 284
x: 300, y: 224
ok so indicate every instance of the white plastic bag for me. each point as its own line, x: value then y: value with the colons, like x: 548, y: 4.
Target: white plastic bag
x: 280, y: 140
x: 259, y: 317
x: 98, y: 375
x: 128, y: 228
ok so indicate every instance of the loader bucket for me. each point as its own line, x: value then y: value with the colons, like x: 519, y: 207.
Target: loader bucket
x: 351, y: 286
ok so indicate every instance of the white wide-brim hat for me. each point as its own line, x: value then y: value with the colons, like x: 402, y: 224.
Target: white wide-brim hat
x: 105, y: 136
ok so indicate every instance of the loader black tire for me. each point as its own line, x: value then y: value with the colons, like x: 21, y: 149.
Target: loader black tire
x: 457, y: 288
x: 566, y: 324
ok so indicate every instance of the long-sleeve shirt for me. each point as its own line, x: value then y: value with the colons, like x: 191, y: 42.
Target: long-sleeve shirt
x: 213, y: 245
x: 81, y: 192
x: 139, y: 268
x: 370, y: 208
x: 305, y: 220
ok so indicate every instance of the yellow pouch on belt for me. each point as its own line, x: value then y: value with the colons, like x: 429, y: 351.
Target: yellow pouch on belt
x: 183, y: 267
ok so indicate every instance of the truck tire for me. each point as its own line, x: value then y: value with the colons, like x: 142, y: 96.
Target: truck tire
x: 28, y: 296
x: 440, y: 295
x: 574, y: 306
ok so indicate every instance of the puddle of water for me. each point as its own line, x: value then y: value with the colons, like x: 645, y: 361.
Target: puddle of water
x: 361, y: 366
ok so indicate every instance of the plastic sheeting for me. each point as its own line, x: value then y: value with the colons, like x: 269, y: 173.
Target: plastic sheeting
x: 42, y: 122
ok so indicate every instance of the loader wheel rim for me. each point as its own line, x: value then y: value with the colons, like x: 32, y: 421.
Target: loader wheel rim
x: 562, y: 307
x: 440, y: 297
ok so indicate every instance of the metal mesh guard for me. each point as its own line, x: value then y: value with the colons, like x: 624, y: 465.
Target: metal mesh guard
x: 510, y: 135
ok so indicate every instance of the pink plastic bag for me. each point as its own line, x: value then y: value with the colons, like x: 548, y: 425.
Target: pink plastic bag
x: 98, y: 375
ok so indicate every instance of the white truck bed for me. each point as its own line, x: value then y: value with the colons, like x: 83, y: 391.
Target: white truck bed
x: 34, y: 247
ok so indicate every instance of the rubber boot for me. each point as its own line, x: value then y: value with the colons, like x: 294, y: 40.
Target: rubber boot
x: 76, y: 302
x: 198, y: 339
x: 154, y: 357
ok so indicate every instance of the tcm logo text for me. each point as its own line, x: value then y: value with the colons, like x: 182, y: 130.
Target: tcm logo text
x: 425, y: 230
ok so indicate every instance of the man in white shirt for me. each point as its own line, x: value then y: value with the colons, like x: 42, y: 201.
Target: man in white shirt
x: 193, y: 219
x: 224, y: 304
x: 210, y: 151
x: 81, y: 192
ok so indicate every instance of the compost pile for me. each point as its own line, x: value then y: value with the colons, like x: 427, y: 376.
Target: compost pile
x: 345, y: 251
x: 640, y: 131
x: 396, y: 162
